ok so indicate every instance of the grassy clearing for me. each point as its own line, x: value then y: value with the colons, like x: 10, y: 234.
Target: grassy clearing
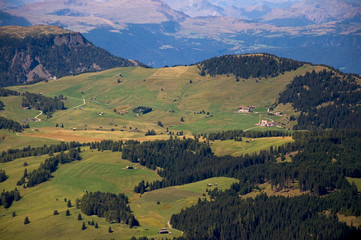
x: 231, y: 147
x: 173, y: 199
x: 357, y: 181
x: 19, y: 140
x: 98, y: 171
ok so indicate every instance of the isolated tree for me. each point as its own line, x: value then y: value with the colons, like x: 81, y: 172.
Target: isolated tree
x: 56, y: 212
x: 96, y: 225
x: 160, y: 124
x: 26, y: 220
x: 69, y: 204
x: 67, y: 213
x: 182, y: 119
x: 92, y: 223
x: 83, y: 227
x: 13, y: 214
x: 110, y: 230
x: 79, y: 217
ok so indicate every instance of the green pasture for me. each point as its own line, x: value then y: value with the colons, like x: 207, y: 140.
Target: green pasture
x: 172, y: 93
x: 247, y: 145
x: 155, y: 208
x: 357, y: 181
x: 97, y: 171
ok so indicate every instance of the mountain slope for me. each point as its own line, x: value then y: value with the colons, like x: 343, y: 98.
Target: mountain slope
x: 45, y: 52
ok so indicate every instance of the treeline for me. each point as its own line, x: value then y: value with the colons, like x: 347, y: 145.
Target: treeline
x: 114, y: 146
x: 7, y: 198
x: 247, y: 66
x: 238, y: 134
x: 12, y: 125
x: 40, y: 102
x: 50, y: 165
x: 300, y: 217
x: 11, y: 154
x: 112, y: 207
x: 326, y: 100
x: 7, y: 92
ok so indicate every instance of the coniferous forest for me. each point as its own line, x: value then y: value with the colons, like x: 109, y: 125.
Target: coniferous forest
x: 248, y: 66
x: 326, y: 99
x: 321, y: 162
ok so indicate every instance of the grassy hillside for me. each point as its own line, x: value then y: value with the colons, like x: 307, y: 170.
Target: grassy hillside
x: 247, y: 146
x: 97, y: 171
x: 172, y: 93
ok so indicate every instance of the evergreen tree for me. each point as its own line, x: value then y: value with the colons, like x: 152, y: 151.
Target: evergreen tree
x: 26, y: 221
x: 69, y: 204
x: 13, y: 214
x: 56, y: 212
x: 83, y: 227
x: 96, y: 225
x: 67, y: 213
x: 79, y: 217
x: 110, y: 230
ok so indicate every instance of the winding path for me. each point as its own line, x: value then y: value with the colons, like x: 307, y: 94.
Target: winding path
x: 81, y: 104
x: 36, y: 117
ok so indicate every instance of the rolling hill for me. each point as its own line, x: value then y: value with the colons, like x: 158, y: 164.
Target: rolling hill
x: 172, y: 180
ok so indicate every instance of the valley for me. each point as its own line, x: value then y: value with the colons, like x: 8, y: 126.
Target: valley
x: 249, y: 146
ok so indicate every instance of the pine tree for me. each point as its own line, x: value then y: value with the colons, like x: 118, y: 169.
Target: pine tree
x: 13, y: 214
x: 67, y: 213
x: 96, y: 225
x: 79, y: 217
x: 56, y: 212
x: 110, y: 230
x: 26, y: 221
x: 69, y: 204
x: 92, y: 223
x: 83, y: 227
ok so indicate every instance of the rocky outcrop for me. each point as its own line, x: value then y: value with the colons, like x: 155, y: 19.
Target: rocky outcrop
x: 46, y: 52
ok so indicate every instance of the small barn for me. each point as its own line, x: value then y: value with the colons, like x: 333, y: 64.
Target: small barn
x: 163, y: 231
x: 244, y: 110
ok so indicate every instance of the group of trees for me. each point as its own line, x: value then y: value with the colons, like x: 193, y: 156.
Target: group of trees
x: 247, y: 66
x: 43, y: 173
x: 113, y: 207
x: 7, y: 198
x: 7, y: 92
x: 11, y: 154
x: 142, y: 109
x: 12, y: 125
x: 326, y: 99
x: 3, y: 175
x: 40, y: 102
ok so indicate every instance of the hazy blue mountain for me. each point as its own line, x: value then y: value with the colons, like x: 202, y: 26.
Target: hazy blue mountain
x: 169, y: 32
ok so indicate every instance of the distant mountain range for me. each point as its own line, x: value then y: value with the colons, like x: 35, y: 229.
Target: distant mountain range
x: 169, y: 32
x: 36, y: 53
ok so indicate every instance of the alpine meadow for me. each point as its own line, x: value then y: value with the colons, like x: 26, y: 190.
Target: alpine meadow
x: 229, y: 145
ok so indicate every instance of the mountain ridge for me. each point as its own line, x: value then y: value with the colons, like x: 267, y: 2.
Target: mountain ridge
x: 47, y: 52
